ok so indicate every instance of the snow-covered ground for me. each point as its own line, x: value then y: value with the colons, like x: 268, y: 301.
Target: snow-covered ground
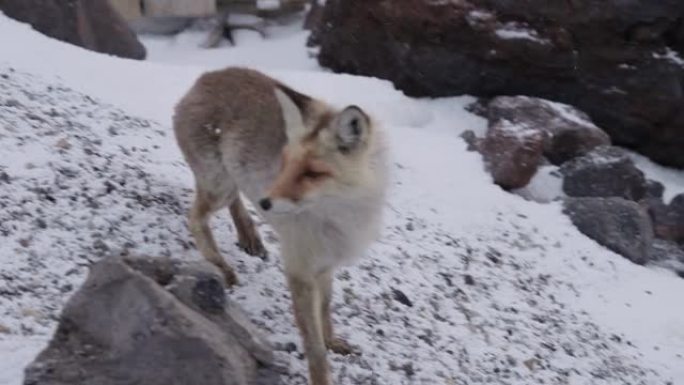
x: 468, y: 284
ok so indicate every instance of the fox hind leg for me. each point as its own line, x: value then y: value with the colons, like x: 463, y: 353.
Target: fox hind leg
x: 248, y: 236
x: 204, y: 206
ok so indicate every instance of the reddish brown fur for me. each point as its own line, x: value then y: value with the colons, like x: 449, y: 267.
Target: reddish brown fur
x: 301, y: 172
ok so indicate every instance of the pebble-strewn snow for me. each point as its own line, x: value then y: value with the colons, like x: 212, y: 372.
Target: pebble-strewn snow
x: 468, y: 284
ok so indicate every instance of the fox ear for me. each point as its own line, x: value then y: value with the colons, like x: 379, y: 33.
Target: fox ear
x: 352, y: 128
x: 292, y: 116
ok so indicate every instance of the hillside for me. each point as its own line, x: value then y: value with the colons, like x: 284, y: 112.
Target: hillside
x: 468, y: 284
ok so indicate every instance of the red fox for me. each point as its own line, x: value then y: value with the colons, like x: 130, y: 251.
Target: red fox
x: 316, y: 174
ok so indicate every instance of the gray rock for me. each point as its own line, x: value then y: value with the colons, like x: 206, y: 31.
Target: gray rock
x: 124, y: 327
x: 603, y: 172
x: 668, y: 255
x: 568, y: 132
x: 654, y: 189
x: 472, y: 141
x: 616, y: 223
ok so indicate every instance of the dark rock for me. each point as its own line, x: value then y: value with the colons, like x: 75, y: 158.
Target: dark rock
x: 469, y: 280
x: 122, y: 327
x: 668, y: 220
x: 616, y: 223
x: 92, y: 24
x: 512, y: 153
x: 654, y: 189
x: 568, y: 132
x: 314, y: 14
x: 603, y: 172
x: 5, y: 178
x: 613, y: 59
x: 401, y: 297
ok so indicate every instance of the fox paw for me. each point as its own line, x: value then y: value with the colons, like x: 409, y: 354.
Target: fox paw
x: 253, y: 247
x: 229, y: 276
x: 341, y: 346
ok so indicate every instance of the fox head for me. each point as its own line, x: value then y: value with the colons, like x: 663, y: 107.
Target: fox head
x: 326, y: 154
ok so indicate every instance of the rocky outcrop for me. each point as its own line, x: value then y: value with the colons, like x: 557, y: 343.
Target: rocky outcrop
x: 92, y: 24
x: 153, y: 322
x: 522, y: 131
x: 567, y: 131
x: 616, y: 223
x: 604, y: 172
x: 620, y: 62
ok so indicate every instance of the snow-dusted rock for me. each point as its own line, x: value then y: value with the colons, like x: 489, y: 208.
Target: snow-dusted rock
x: 512, y: 152
x: 616, y: 223
x: 125, y: 327
x: 603, y: 172
x: 568, y: 132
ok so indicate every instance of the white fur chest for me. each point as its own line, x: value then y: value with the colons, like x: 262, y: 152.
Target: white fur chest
x: 316, y: 241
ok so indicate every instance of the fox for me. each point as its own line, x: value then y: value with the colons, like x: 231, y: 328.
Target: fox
x: 315, y: 173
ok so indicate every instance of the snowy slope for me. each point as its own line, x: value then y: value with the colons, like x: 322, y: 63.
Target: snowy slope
x: 468, y: 285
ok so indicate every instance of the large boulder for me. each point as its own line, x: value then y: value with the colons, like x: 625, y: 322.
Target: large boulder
x: 616, y: 223
x: 153, y: 322
x: 92, y: 24
x: 512, y: 153
x: 619, y: 61
x: 568, y: 132
x: 604, y: 172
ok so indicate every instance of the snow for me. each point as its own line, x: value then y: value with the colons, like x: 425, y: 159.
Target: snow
x: 672, y: 180
x: 503, y: 290
x: 16, y: 352
x: 570, y: 113
x: 282, y: 50
x: 516, y: 31
x: 670, y: 55
x: 545, y: 186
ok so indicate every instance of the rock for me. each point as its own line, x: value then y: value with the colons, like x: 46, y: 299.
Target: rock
x: 568, y: 131
x: 471, y: 140
x: 124, y: 327
x: 616, y: 223
x: 603, y: 172
x: 668, y: 220
x: 654, y: 189
x: 512, y: 153
x: 619, y: 61
x: 92, y: 24
x: 313, y: 15
x: 668, y: 255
